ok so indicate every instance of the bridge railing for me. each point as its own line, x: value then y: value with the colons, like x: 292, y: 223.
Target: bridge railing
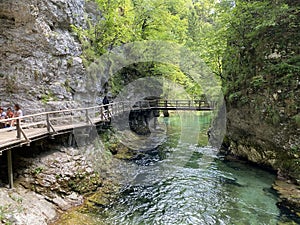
x: 184, y: 104
x: 67, y: 117
x: 50, y: 121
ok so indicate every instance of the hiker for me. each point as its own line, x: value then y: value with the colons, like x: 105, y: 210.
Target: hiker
x: 17, y: 113
x: 2, y: 116
x: 2, y: 113
x: 105, y: 102
x: 9, y: 114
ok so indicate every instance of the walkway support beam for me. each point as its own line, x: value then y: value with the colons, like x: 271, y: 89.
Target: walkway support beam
x: 10, y: 169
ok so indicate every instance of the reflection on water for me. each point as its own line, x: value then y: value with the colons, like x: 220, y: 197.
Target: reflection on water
x: 186, y: 182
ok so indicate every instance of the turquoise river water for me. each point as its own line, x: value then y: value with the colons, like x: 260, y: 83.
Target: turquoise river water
x: 184, y: 181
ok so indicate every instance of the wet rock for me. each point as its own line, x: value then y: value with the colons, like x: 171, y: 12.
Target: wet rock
x: 289, y: 194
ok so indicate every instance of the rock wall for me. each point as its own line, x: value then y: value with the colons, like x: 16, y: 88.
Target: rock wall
x: 40, y: 64
x: 262, y: 88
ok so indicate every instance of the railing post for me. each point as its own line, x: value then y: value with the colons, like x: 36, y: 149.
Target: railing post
x: 101, y: 113
x: 48, y: 123
x: 18, y: 128
x: 86, y: 116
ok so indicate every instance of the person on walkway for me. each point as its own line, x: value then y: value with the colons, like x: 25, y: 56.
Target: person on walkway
x: 2, y: 113
x: 105, y: 102
x: 2, y: 116
x: 17, y: 113
x: 9, y: 114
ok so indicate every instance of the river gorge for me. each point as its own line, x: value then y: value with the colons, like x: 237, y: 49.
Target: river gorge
x: 58, y: 55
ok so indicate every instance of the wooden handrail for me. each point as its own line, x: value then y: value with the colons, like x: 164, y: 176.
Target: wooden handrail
x: 114, y: 108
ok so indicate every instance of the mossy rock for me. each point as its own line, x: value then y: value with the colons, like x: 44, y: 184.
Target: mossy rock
x: 83, y: 183
x: 75, y: 217
x: 120, y: 151
x: 102, y: 198
x: 124, y: 152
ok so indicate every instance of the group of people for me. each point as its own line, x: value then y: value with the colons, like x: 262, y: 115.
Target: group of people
x: 9, y: 113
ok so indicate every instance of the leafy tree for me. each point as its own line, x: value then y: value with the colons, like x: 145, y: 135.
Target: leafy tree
x: 112, y: 29
x: 196, y: 24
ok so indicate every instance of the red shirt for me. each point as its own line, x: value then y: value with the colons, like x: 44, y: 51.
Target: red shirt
x: 9, y: 114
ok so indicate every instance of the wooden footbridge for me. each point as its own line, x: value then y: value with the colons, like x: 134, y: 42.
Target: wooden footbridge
x: 33, y: 127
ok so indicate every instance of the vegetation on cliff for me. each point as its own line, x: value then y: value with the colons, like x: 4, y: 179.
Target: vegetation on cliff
x: 261, y: 83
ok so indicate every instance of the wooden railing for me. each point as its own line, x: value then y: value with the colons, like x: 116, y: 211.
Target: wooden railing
x: 164, y: 104
x: 53, y: 122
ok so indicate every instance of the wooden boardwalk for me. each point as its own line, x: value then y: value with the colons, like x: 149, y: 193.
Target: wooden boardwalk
x: 54, y: 123
x: 50, y: 124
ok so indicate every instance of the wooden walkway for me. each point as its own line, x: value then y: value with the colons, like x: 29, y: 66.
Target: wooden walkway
x: 50, y: 124
x: 42, y: 125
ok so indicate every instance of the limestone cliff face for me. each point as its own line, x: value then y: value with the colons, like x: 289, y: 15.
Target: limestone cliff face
x: 40, y: 64
x: 262, y: 91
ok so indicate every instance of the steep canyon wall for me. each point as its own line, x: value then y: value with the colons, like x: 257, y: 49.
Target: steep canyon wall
x: 262, y: 87
x: 40, y: 64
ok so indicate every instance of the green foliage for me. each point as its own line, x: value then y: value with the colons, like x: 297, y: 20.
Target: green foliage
x: 155, y: 20
x: 4, y: 211
x: 48, y: 97
x: 208, y: 22
x: 261, y: 58
x: 113, y: 29
x: 66, y: 85
x: 297, y: 119
x: 257, y: 81
x: 37, y: 170
x: 233, y: 97
x: 195, y: 24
